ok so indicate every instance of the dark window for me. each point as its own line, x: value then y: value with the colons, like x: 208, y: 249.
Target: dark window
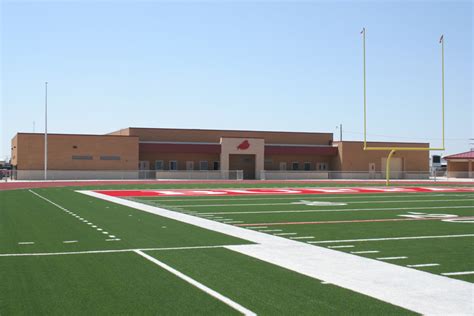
x: 307, y: 166
x: 203, y: 165
x: 85, y: 157
x: 216, y: 165
x: 109, y: 157
x: 159, y: 165
x: 295, y: 166
x: 173, y: 164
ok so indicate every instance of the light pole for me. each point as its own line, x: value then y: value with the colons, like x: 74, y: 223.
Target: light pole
x: 46, y: 131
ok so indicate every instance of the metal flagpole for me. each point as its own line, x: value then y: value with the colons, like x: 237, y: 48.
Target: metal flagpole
x: 441, y: 40
x: 365, y: 93
x: 46, y: 131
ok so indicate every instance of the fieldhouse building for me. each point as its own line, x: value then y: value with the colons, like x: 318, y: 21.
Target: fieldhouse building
x: 197, y: 153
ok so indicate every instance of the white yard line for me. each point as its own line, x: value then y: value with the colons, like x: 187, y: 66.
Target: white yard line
x: 26, y: 242
x: 341, y: 246
x: 316, y: 199
x: 391, y: 238
x: 302, y: 237
x: 195, y: 283
x: 458, y: 273
x: 285, y: 234
x: 412, y: 289
x: 270, y: 230
x: 421, y: 265
x: 257, y: 227
x: 365, y: 251
x: 33, y: 254
x: 392, y: 258
x: 69, y: 241
x: 233, y: 222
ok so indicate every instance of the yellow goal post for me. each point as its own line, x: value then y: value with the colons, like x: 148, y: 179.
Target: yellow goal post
x: 392, y: 150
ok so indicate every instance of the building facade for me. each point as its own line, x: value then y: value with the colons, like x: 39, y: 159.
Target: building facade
x: 166, y: 150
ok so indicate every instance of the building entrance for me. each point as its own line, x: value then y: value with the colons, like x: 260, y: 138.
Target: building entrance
x: 245, y: 163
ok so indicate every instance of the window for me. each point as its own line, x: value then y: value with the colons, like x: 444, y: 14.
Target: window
x: 322, y: 166
x: 203, y: 165
x: 158, y: 164
x: 85, y: 157
x: 173, y: 165
x: 307, y: 166
x: 283, y: 165
x: 109, y: 157
x: 216, y: 165
x: 295, y: 165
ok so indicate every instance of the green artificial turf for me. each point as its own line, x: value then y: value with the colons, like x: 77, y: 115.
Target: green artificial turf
x: 98, y: 284
x: 268, y: 289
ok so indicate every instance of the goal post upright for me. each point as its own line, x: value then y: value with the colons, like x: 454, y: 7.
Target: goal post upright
x: 392, y: 150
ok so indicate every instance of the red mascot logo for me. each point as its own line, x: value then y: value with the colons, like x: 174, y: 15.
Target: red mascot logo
x: 243, y: 145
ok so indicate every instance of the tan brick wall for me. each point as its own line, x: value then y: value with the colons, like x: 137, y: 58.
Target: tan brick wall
x: 458, y: 166
x: 61, y: 148
x: 353, y: 157
x: 214, y: 136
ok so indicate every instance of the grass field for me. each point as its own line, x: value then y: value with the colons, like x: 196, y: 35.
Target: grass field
x: 63, y: 252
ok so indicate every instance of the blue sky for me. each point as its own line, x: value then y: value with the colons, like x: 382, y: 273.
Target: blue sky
x: 291, y: 66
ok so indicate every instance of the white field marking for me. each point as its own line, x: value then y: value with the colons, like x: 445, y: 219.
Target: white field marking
x: 412, y: 289
x: 233, y: 222
x: 61, y: 208
x: 270, y: 230
x: 285, y: 234
x: 26, y: 242
x: 257, y: 227
x: 422, y: 265
x: 195, y: 283
x: 338, y: 210
x: 112, y: 236
x: 341, y: 246
x: 353, y: 196
x: 458, y: 273
x: 391, y: 238
x: 105, y: 233
x: 69, y: 241
x: 392, y: 258
x: 113, y: 239
x: 318, y: 203
x: 33, y: 254
x: 302, y: 237
x: 365, y: 251
x: 90, y: 224
x: 94, y: 226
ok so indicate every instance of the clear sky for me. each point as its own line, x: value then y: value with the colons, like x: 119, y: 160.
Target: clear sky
x: 290, y: 66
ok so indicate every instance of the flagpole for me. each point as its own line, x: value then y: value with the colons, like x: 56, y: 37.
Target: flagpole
x: 46, y: 131
x: 442, y: 81
x: 365, y: 93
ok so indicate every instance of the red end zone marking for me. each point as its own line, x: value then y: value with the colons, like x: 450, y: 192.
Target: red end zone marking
x: 295, y: 191
x: 355, y: 221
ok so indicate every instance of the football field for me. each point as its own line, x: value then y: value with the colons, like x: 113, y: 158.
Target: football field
x: 211, y: 249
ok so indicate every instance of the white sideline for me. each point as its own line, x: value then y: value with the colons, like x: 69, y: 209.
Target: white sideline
x: 412, y: 289
x: 377, y: 209
x: 390, y: 238
x: 195, y: 283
